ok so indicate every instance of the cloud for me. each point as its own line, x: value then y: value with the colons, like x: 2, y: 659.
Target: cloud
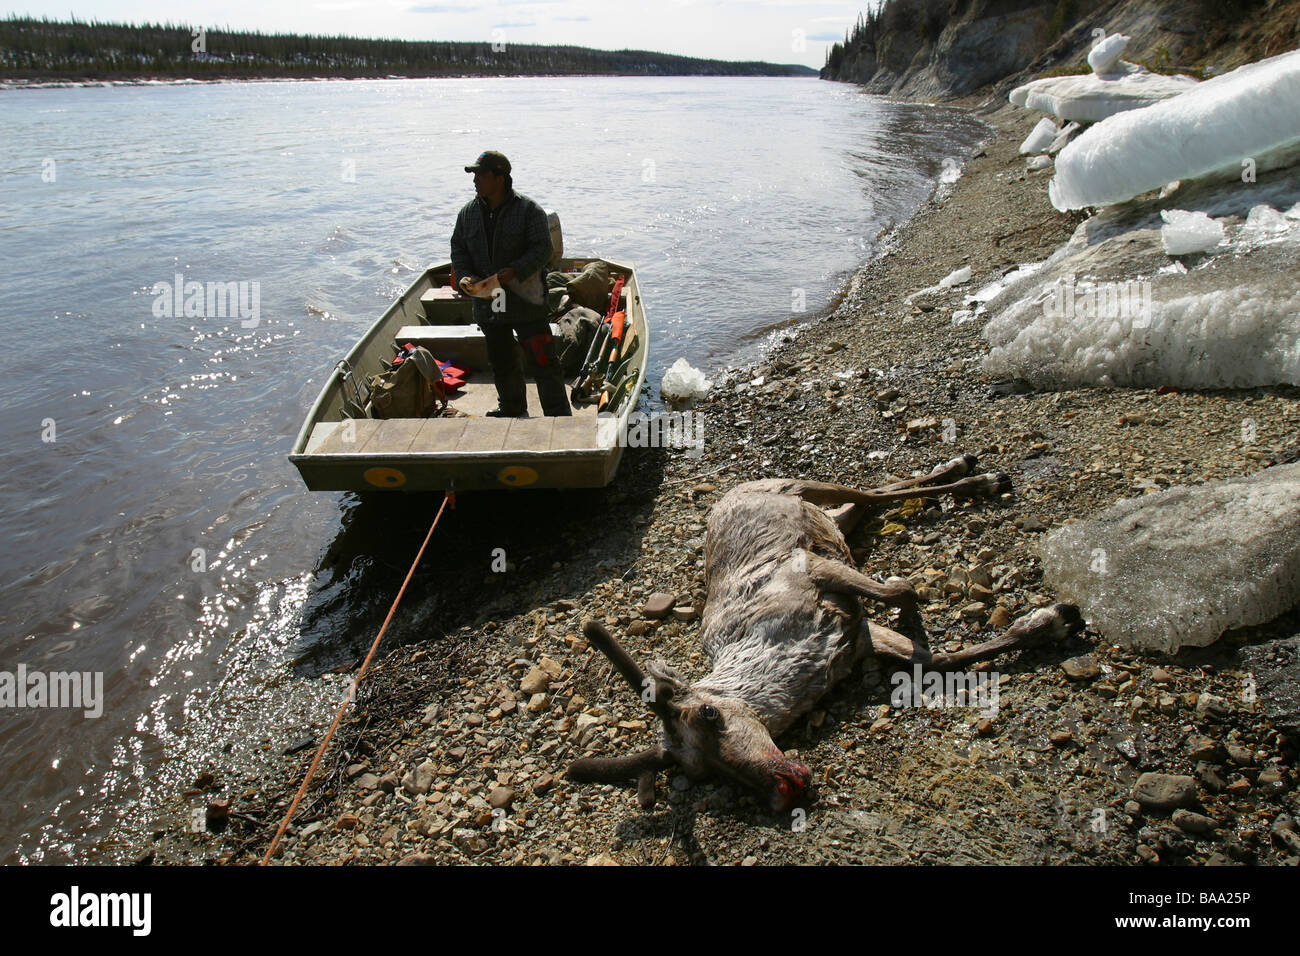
x: 825, y: 37
x: 513, y: 26
x: 440, y: 8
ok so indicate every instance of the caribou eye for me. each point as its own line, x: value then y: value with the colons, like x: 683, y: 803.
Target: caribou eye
x: 710, y: 713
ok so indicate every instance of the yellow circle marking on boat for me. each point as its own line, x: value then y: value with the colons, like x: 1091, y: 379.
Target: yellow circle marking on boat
x: 517, y: 475
x: 385, y: 477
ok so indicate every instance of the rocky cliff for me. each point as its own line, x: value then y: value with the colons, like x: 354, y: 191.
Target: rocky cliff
x: 934, y: 48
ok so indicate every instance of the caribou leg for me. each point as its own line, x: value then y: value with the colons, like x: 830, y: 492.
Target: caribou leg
x: 846, y: 516
x: 886, y: 642
x: 824, y: 493
x: 836, y: 576
x: 1046, y: 624
x: 956, y: 468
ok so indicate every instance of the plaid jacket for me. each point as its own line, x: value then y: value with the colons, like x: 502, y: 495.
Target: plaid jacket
x: 521, y: 240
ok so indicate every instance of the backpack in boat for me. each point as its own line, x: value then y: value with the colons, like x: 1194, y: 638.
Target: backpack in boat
x: 411, y: 388
x: 591, y: 287
x: 577, y: 327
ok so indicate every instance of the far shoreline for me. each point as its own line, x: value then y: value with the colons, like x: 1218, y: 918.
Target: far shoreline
x: 20, y: 83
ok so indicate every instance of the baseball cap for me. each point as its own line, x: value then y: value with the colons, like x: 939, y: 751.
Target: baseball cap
x: 492, y: 162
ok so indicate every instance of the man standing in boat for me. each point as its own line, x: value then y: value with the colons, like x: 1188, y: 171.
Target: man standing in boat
x: 503, y: 234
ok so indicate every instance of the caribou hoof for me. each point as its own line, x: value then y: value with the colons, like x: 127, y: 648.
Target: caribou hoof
x: 1070, y: 617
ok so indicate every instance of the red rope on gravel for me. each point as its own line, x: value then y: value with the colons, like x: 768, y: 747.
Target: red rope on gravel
x: 447, y: 497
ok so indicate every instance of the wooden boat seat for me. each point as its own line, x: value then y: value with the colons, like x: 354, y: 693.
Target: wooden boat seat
x: 461, y: 345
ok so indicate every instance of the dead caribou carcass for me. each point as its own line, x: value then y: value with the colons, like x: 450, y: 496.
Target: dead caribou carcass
x: 782, y: 624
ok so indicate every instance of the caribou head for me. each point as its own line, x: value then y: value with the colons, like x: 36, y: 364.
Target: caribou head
x: 704, y: 735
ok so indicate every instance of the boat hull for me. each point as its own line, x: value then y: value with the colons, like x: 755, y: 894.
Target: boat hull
x: 337, y: 452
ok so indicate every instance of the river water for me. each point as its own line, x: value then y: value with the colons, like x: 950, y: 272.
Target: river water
x: 154, y: 535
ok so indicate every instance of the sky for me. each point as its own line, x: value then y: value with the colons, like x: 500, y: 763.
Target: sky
x: 779, y: 31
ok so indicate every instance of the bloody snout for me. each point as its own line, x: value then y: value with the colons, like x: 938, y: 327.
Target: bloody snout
x: 790, y: 779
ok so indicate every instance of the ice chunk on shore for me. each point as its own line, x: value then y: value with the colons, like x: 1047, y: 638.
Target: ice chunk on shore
x: 956, y: 277
x: 1187, y: 232
x: 682, y: 383
x: 1040, y: 138
x: 1109, y: 308
x: 1249, y: 115
x: 1090, y: 98
x: 1236, y: 336
x: 1180, y: 567
x: 1105, y: 54
x: 995, y: 288
x: 1264, y: 220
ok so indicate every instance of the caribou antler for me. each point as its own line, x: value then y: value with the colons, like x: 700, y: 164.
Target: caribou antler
x: 660, y: 694
x: 639, y: 766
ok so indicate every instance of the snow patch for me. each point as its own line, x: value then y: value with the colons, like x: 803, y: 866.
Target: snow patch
x: 1105, y: 54
x: 956, y: 277
x: 1263, y: 222
x: 1090, y: 98
x: 1245, y: 118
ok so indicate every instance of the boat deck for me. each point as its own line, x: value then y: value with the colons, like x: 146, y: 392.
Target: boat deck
x: 468, y: 432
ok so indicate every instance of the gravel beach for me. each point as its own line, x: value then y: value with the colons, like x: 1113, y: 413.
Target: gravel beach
x: 456, y: 748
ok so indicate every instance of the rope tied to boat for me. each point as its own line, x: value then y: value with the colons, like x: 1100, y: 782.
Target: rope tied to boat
x: 448, y: 498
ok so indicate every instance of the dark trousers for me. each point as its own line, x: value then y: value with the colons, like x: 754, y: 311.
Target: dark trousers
x: 539, y: 355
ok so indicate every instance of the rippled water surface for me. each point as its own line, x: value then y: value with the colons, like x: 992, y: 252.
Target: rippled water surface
x: 154, y: 531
